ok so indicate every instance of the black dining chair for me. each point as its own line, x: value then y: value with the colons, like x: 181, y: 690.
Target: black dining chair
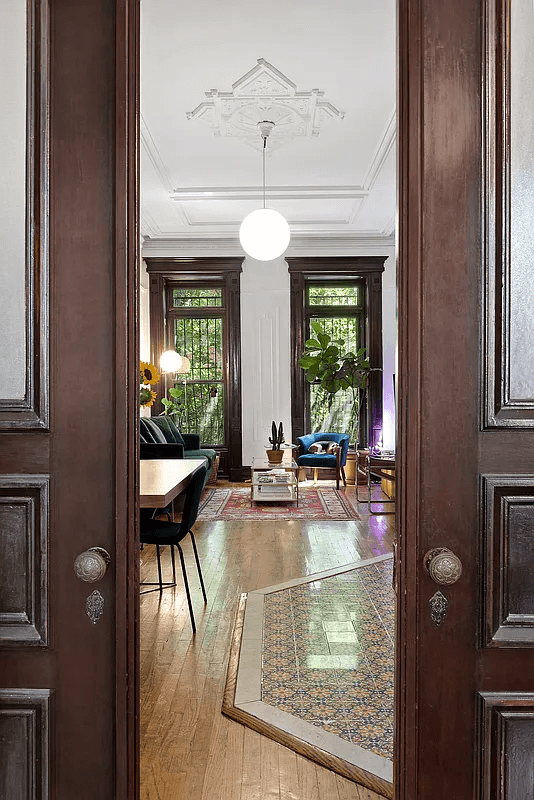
x: 159, y: 532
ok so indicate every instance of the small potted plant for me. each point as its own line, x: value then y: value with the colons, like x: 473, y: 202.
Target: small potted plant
x: 276, y: 454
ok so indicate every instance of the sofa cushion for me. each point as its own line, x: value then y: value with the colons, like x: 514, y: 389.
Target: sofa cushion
x: 169, y: 429
x: 202, y: 453
x: 317, y: 460
x: 150, y: 431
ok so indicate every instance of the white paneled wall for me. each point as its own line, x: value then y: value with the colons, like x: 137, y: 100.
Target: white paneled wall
x: 265, y: 341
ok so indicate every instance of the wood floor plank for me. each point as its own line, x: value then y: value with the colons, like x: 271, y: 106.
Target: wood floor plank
x: 308, y: 783
x: 269, y: 769
x: 189, y: 751
x: 251, y: 775
x: 289, y: 781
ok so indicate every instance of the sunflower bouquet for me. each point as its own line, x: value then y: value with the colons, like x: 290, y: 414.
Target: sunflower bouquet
x: 148, y: 376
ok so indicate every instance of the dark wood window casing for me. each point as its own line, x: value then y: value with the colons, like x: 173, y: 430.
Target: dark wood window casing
x: 368, y: 270
x: 166, y: 273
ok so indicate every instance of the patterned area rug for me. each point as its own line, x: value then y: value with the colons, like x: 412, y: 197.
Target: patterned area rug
x: 227, y: 504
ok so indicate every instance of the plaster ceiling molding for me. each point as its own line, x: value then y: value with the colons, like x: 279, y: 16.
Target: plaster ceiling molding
x: 309, y: 244
x: 265, y: 93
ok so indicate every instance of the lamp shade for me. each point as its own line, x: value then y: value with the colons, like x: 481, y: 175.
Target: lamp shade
x: 170, y: 361
x: 264, y: 234
x: 185, y: 366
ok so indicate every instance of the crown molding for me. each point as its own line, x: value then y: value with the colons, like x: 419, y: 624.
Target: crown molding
x: 149, y: 146
x: 273, y: 193
x: 301, y: 245
x: 384, y: 146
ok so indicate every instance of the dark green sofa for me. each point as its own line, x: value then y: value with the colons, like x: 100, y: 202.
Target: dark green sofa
x: 158, y: 431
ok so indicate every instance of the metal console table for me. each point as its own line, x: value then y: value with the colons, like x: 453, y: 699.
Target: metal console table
x: 382, y: 467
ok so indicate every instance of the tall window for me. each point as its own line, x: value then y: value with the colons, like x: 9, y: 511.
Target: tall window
x: 343, y: 293
x: 195, y: 309
x: 195, y: 327
x: 340, y: 309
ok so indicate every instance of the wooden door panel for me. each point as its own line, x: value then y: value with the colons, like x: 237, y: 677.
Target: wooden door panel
x: 507, y: 763
x: 24, y: 560
x: 509, y: 244
x: 29, y: 409
x: 24, y: 733
x: 466, y: 397
x: 507, y: 508
x: 68, y: 455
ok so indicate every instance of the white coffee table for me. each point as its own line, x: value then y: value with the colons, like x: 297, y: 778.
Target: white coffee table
x: 274, y: 483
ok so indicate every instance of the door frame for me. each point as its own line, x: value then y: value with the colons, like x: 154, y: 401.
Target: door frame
x: 126, y: 287
x: 411, y: 84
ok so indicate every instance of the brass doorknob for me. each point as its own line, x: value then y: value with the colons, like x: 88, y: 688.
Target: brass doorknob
x: 443, y: 566
x: 91, y: 565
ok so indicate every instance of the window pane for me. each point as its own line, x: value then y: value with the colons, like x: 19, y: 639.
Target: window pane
x: 201, y: 340
x: 342, y: 417
x: 346, y: 328
x: 196, y: 298
x: 204, y: 412
x: 335, y: 295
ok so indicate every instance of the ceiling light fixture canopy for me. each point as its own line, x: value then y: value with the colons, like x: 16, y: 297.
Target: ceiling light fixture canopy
x: 264, y: 234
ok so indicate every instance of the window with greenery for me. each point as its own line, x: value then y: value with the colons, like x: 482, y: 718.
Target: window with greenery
x: 196, y: 322
x: 340, y: 309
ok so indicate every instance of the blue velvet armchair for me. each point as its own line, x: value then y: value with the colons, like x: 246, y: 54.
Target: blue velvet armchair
x: 324, y: 460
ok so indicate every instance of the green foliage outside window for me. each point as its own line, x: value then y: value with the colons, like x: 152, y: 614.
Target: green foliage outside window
x: 338, y: 371
x: 197, y: 399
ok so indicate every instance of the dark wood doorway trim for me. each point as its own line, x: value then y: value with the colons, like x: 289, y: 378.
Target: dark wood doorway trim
x: 227, y: 272
x: 126, y: 290
x: 367, y: 268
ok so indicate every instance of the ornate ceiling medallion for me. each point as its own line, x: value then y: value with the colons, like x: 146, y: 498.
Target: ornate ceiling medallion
x: 265, y: 93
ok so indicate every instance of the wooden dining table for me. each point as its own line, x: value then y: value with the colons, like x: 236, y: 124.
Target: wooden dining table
x: 161, y: 480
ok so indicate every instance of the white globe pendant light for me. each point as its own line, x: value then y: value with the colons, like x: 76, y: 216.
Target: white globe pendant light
x: 170, y: 361
x: 264, y: 234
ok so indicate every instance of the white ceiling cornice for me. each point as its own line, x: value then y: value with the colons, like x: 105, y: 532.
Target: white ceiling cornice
x: 273, y: 193
x: 299, y: 246
x: 150, y: 148
x: 382, y: 151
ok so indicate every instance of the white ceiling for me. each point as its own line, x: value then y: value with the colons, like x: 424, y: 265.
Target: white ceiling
x: 335, y: 188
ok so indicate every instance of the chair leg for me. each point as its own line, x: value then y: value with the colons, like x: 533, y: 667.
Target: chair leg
x: 186, y: 584
x: 315, y: 474
x: 159, y: 568
x: 198, y: 567
x: 343, y: 476
x: 173, y: 566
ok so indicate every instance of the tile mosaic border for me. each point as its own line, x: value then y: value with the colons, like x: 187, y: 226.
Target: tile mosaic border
x: 242, y: 697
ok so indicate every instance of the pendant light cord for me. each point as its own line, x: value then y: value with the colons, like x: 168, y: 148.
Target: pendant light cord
x: 263, y: 170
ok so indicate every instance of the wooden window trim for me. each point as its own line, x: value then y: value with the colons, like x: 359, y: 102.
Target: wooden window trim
x: 367, y: 268
x: 225, y: 272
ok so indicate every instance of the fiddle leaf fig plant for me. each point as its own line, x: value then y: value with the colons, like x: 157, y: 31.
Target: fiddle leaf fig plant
x: 329, y: 364
x: 175, y: 406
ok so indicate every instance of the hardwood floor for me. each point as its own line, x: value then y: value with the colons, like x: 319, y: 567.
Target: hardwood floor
x: 189, y: 751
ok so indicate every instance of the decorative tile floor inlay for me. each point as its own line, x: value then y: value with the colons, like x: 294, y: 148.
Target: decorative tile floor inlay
x: 316, y: 662
x: 328, y: 654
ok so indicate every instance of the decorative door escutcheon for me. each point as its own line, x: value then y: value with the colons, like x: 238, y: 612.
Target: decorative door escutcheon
x: 443, y: 566
x: 91, y: 565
